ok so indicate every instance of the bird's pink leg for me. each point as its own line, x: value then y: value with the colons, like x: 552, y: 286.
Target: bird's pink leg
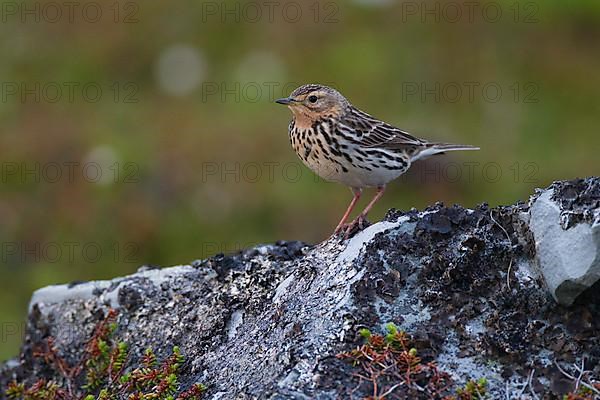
x: 357, y: 193
x: 359, y: 220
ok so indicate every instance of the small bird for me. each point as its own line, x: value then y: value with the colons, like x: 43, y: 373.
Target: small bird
x: 341, y: 143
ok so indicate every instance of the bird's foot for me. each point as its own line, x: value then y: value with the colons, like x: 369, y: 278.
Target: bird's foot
x: 341, y: 230
x: 354, y: 227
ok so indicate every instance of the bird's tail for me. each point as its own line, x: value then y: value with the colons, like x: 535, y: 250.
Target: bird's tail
x: 431, y: 149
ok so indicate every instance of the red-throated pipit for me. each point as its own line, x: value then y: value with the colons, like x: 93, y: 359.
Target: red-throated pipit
x: 342, y: 144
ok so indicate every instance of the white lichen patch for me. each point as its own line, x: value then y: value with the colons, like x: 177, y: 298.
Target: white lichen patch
x: 357, y: 243
x: 82, y: 291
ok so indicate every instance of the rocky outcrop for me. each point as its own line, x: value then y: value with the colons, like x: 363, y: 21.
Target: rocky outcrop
x: 267, y: 323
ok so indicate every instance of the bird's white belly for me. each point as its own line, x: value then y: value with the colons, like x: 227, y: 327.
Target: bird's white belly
x: 375, y: 178
x: 354, y: 176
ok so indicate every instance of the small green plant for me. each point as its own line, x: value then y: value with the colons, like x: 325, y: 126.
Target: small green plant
x: 104, y: 366
x: 473, y: 390
x: 41, y: 390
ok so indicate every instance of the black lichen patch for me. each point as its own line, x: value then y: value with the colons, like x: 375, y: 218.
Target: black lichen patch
x: 462, y: 253
x: 578, y: 199
x: 282, y: 251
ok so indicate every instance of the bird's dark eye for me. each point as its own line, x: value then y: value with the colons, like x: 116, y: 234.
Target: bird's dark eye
x: 312, y: 99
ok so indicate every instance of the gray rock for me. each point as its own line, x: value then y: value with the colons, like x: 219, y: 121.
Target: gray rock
x: 268, y: 322
x: 567, y: 238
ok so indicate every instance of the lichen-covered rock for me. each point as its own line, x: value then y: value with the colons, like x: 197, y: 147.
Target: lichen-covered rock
x: 565, y: 221
x: 267, y: 323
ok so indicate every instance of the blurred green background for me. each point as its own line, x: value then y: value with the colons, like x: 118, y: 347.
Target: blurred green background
x: 134, y: 133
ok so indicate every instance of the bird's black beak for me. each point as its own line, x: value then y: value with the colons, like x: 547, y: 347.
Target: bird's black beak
x: 285, y: 101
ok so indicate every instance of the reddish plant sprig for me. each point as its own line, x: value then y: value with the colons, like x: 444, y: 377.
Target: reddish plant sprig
x: 392, y: 358
x: 103, y: 362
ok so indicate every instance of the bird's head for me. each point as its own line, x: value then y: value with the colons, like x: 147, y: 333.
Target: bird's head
x: 313, y: 102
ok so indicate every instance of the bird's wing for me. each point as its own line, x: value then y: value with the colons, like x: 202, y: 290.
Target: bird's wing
x: 371, y: 132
